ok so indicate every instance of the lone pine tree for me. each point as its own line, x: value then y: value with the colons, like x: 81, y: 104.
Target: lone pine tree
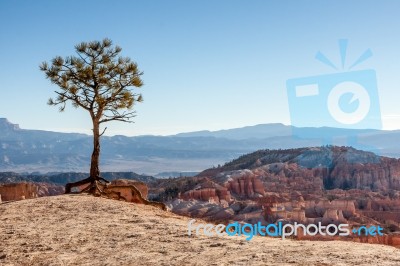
x: 101, y: 82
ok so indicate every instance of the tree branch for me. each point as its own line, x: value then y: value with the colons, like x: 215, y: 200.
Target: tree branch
x: 103, y: 131
x: 74, y: 99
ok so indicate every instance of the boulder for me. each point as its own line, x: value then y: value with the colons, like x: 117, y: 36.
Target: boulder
x: 18, y: 191
x: 142, y: 187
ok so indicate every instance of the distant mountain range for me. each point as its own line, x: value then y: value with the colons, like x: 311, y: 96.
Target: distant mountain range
x: 24, y: 150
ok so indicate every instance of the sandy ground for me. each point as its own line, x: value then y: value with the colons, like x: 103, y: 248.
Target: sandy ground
x: 84, y: 230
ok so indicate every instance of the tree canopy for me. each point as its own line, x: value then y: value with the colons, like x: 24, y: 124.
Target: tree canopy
x: 97, y: 80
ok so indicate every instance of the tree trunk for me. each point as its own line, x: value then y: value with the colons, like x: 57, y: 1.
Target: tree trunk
x: 94, y: 176
x: 94, y: 163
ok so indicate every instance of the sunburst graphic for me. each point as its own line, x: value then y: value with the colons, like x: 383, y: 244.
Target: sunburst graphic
x: 343, y: 43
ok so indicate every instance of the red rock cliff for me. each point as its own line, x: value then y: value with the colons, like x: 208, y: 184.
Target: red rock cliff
x: 18, y: 191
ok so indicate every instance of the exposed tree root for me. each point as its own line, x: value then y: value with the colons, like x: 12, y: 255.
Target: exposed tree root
x: 103, y: 188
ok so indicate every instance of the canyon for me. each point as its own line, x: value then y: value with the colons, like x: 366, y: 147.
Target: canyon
x: 312, y: 185
x: 327, y: 184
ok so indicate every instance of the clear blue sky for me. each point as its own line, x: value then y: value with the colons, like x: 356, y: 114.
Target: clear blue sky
x: 207, y: 64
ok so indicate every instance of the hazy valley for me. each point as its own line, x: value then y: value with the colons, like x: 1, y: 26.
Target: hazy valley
x: 24, y: 150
